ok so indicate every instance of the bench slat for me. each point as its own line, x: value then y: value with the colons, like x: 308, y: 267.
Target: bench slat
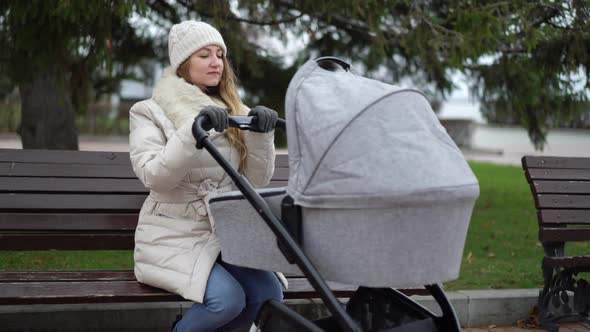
x: 71, y: 185
x: 548, y: 234
x: 561, y: 187
x: 97, y: 203
x: 281, y: 174
x: 300, y: 288
x: 82, y: 185
x: 64, y: 156
x: 67, y: 170
x: 554, y: 201
x: 83, y: 157
x: 555, y: 162
x: 88, y: 171
x: 568, y: 262
x: 296, y: 283
x: 5, y: 168
x: 564, y: 216
x: 281, y: 160
x: 67, y: 222
x: 120, y: 286
x: 64, y: 202
x: 94, y: 241
x: 64, y: 276
x: 557, y: 174
x: 277, y: 184
x: 81, y: 292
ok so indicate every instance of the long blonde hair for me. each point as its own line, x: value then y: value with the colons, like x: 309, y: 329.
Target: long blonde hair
x: 228, y: 93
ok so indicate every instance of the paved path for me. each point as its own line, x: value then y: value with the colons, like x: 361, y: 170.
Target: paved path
x: 507, y: 145
x: 572, y: 327
x: 504, y: 147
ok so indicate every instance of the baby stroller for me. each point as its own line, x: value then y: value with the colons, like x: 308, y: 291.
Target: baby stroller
x: 378, y: 196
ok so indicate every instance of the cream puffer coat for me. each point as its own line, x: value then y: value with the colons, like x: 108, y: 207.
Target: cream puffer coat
x: 175, y: 241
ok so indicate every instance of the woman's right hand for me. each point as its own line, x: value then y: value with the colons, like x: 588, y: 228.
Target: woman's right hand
x: 218, y: 118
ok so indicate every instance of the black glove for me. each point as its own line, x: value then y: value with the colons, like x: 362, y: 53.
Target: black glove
x: 218, y: 118
x: 265, y: 119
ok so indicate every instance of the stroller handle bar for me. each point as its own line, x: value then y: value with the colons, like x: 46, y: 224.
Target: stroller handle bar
x: 345, y: 65
x: 245, y: 122
x: 242, y: 122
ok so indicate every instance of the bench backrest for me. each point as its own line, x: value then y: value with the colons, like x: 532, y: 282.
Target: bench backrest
x: 74, y: 200
x: 561, y: 189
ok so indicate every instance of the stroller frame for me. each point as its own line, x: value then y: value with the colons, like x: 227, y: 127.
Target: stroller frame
x: 293, y: 252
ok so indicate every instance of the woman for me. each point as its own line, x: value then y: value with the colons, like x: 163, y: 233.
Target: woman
x: 175, y: 243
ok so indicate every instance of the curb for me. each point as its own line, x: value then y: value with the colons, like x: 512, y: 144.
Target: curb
x: 475, y: 308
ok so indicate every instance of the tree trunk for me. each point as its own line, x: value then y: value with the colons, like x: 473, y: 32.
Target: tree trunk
x: 47, y: 120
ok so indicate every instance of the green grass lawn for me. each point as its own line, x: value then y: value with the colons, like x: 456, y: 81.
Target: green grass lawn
x: 502, y: 250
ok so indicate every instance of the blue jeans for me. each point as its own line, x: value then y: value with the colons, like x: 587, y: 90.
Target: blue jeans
x: 232, y: 299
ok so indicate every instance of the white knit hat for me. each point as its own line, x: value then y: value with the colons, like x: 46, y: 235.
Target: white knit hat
x: 187, y: 37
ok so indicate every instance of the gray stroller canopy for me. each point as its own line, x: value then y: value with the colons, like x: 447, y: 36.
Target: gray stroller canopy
x: 386, y: 195
x: 355, y: 142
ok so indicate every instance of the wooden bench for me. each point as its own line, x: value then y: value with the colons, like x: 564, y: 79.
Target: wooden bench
x: 561, y: 190
x: 80, y: 200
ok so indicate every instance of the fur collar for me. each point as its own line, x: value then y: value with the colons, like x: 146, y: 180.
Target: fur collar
x: 181, y: 101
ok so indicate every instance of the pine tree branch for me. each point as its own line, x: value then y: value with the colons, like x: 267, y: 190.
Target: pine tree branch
x: 271, y: 22
x: 164, y: 9
x: 233, y: 17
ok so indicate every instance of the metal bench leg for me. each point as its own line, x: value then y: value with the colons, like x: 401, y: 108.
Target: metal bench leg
x: 547, y: 314
x: 558, y: 304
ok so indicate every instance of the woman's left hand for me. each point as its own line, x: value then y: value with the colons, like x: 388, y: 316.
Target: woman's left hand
x: 266, y: 119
